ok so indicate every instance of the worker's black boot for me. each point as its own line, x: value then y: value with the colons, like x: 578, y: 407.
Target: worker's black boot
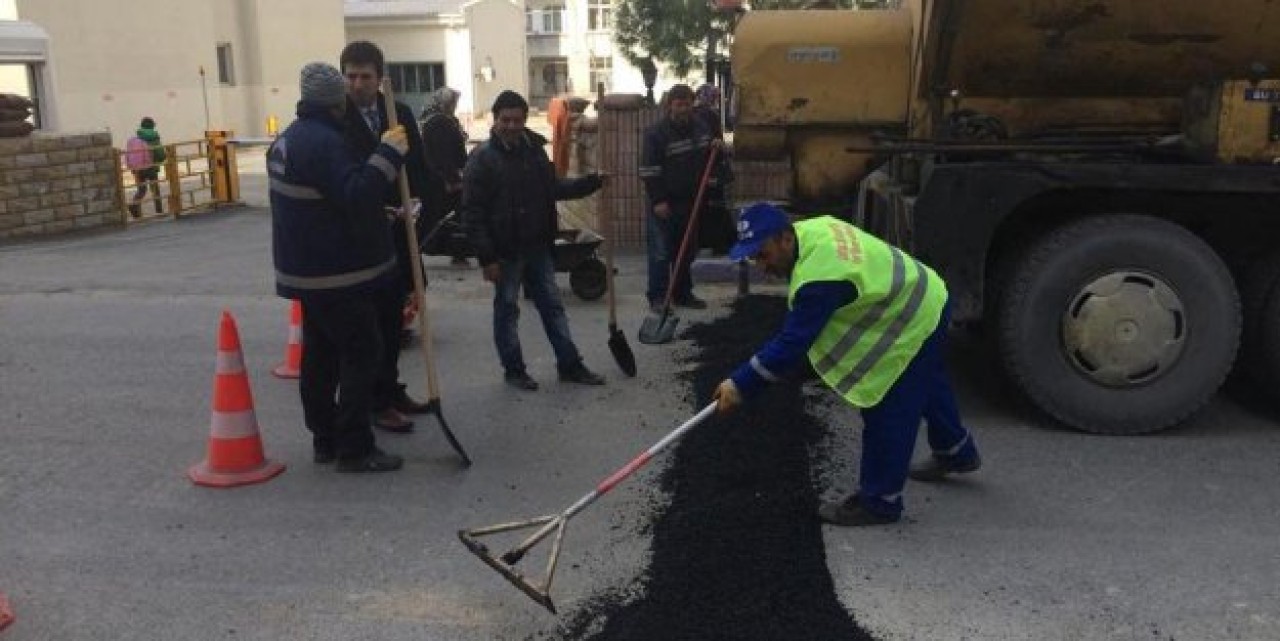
x: 937, y: 468
x: 850, y: 512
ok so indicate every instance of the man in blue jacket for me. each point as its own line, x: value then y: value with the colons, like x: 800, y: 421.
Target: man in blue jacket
x: 332, y: 252
x: 872, y: 321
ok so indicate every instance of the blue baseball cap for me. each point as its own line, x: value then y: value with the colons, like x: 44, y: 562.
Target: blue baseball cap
x: 756, y: 224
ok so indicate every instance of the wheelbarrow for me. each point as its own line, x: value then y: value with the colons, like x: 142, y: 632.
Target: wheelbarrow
x: 574, y: 253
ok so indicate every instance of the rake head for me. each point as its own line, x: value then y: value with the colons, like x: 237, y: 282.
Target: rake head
x: 505, y: 563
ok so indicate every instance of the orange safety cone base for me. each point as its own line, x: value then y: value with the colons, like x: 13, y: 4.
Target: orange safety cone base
x: 6, y: 613
x: 283, y: 370
x: 202, y: 474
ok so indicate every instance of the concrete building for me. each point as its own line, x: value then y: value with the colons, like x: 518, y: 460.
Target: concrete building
x: 196, y: 65
x: 540, y: 48
x: 190, y: 65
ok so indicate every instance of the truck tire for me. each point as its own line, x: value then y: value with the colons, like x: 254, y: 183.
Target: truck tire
x: 1119, y: 324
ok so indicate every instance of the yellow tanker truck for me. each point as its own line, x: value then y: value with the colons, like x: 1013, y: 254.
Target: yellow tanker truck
x: 1096, y: 180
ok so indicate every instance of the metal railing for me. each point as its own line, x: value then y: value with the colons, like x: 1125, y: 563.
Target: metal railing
x: 185, y: 183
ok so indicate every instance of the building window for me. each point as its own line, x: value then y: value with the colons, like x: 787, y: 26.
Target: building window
x: 602, y: 73
x: 226, y: 68
x: 552, y: 19
x: 412, y: 81
x: 599, y: 15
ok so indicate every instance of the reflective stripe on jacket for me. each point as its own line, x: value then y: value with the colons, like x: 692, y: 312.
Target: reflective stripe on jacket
x: 329, y: 231
x: 868, y: 343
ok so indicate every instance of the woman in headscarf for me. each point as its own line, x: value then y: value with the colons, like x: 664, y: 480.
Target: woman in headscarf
x: 445, y: 144
x: 706, y: 105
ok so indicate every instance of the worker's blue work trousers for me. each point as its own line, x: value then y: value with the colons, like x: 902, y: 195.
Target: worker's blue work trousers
x: 889, y: 428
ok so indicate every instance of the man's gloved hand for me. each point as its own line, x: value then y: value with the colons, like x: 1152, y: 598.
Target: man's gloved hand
x: 397, y: 139
x: 727, y: 397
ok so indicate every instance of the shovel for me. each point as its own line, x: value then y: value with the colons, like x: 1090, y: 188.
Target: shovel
x: 540, y: 591
x: 617, y: 340
x: 420, y: 290
x: 660, y: 328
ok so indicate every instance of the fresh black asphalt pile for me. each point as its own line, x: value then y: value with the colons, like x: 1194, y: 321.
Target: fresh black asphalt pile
x: 737, y: 553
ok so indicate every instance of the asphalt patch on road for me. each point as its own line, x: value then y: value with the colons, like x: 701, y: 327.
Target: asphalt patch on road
x: 737, y: 551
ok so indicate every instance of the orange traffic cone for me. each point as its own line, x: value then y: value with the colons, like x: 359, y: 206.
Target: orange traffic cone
x: 6, y: 613
x: 292, y: 365
x: 235, y: 449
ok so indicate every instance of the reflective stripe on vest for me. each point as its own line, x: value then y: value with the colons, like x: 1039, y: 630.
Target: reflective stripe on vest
x: 867, y: 344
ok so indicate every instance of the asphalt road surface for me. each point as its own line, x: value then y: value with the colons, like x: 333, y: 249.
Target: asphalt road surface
x: 106, y: 365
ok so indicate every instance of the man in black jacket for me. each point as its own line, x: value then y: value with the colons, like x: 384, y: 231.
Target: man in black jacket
x: 363, y: 66
x: 671, y: 165
x: 509, y: 196
x: 331, y: 252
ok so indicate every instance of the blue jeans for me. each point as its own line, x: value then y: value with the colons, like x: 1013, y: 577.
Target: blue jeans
x: 889, y: 428
x: 535, y: 270
x: 663, y: 243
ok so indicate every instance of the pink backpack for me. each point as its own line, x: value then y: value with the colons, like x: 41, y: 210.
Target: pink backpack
x: 137, y: 154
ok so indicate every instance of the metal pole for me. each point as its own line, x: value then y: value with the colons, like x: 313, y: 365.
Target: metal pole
x: 204, y: 91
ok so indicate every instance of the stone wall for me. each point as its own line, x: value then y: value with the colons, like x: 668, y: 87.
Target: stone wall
x: 53, y: 183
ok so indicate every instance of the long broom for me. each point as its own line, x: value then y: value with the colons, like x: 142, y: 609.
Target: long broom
x: 420, y: 289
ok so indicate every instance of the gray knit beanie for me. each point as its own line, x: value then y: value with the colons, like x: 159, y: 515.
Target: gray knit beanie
x: 322, y: 84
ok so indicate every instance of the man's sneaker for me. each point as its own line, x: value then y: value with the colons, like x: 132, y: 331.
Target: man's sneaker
x: 692, y: 302
x: 405, y: 404
x: 520, y: 380
x: 850, y: 512
x: 580, y: 374
x: 375, y: 461
x: 936, y: 468
x: 391, y: 420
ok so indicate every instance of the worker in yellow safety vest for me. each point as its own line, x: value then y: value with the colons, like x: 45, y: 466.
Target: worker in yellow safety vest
x: 873, y: 322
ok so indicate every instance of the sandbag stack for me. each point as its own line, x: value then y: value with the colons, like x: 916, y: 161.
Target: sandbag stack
x: 14, y: 112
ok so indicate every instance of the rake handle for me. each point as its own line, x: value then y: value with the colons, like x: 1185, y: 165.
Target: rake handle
x: 607, y: 484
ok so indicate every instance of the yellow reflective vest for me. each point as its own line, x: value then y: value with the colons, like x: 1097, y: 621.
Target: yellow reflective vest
x: 868, y: 343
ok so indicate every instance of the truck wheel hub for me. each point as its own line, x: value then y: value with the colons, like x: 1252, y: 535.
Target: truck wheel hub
x: 1123, y: 329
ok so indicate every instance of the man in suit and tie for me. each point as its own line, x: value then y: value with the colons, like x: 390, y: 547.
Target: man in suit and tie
x: 363, y: 67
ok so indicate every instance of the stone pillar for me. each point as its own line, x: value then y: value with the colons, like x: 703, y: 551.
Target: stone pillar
x: 622, y: 122
x: 52, y: 183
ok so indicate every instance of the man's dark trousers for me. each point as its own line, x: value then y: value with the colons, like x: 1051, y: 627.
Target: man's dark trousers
x: 341, y: 348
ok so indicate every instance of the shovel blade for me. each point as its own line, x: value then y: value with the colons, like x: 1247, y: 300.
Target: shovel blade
x: 659, y: 328
x: 621, y: 351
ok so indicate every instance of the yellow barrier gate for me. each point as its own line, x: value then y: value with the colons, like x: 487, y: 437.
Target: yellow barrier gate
x: 196, y: 175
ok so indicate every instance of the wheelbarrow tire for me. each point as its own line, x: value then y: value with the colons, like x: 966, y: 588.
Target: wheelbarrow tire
x: 588, y: 279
